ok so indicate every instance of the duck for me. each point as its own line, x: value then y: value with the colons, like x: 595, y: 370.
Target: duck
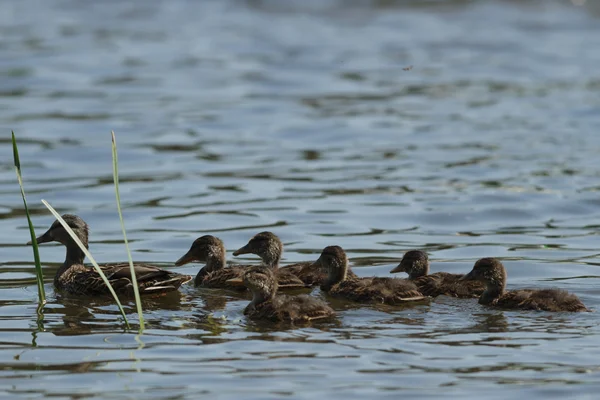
x: 266, y: 304
x: 269, y: 248
x: 74, y: 277
x: 492, y: 273
x: 416, y: 264
x: 363, y: 290
x: 215, y: 274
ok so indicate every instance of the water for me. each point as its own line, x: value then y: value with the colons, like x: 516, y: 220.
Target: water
x: 234, y: 117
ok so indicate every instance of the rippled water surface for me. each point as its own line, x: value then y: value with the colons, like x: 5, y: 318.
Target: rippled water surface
x: 306, y: 119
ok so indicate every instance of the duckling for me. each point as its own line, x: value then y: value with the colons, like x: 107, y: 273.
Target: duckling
x: 75, y: 278
x: 416, y: 264
x: 269, y: 248
x: 491, y: 272
x: 215, y: 273
x: 364, y: 290
x: 267, y: 305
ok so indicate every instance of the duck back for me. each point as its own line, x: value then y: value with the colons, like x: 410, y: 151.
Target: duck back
x: 80, y: 279
x: 540, y: 300
x: 288, y: 280
x: 301, y: 308
x: 377, y: 290
x: 444, y: 283
x: 311, y: 274
x: 218, y: 279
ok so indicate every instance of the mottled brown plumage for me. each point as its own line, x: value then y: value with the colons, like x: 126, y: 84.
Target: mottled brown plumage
x: 267, y: 305
x: 491, y: 272
x: 416, y: 264
x: 75, y: 278
x: 363, y: 290
x: 269, y: 248
x: 215, y: 274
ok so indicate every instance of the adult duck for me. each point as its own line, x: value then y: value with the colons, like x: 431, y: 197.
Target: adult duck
x: 76, y: 278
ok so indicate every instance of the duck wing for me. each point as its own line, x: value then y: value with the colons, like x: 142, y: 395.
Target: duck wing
x: 219, y: 278
x: 87, y: 281
x: 150, y: 279
x: 287, y: 280
x: 308, y: 272
x: 430, y: 285
x: 378, y: 290
x: 444, y: 283
x: 143, y: 272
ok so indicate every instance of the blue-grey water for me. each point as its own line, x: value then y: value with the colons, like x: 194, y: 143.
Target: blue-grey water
x: 305, y: 118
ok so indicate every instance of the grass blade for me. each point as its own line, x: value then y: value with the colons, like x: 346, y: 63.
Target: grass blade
x: 136, y: 291
x: 39, y: 274
x: 89, y: 256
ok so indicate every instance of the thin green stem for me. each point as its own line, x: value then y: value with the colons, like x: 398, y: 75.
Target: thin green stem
x: 36, y: 255
x: 136, y: 291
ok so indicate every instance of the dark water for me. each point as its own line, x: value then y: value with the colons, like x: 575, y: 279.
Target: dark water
x: 234, y: 117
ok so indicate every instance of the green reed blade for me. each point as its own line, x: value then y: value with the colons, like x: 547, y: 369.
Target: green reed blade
x: 89, y: 256
x: 39, y: 274
x: 136, y: 291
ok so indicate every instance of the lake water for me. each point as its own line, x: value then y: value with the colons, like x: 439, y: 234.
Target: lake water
x: 305, y: 118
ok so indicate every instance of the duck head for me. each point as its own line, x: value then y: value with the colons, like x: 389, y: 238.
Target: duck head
x: 266, y: 245
x: 207, y: 249
x: 261, y: 281
x: 415, y: 263
x: 489, y: 271
x: 334, y: 261
x: 56, y: 232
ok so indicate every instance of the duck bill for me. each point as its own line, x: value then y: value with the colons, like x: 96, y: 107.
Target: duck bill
x: 399, y: 268
x: 242, y: 250
x: 469, y: 277
x: 45, y: 238
x: 185, y: 259
x: 235, y: 282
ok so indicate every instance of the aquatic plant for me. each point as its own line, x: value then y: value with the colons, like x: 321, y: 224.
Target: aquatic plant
x: 136, y: 291
x: 39, y: 274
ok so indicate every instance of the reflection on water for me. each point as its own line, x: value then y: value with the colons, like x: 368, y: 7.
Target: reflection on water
x: 235, y: 117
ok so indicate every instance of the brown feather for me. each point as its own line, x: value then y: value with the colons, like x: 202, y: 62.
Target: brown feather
x: 444, y: 283
x: 301, y: 308
x: 287, y: 280
x: 80, y: 279
x: 491, y: 272
x: 311, y: 273
x: 540, y: 300
x: 267, y: 304
x: 377, y: 290
x: 219, y: 278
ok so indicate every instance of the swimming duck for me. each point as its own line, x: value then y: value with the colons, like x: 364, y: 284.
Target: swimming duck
x: 266, y: 304
x: 269, y: 248
x: 215, y: 273
x: 491, y: 272
x: 75, y: 278
x: 416, y: 264
x: 364, y: 290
